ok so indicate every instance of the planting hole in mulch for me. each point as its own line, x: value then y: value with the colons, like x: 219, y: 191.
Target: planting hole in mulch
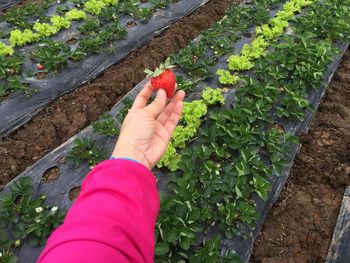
x: 277, y: 127
x: 131, y: 24
x: 72, y: 41
x: 74, y: 193
x: 40, y: 75
x: 51, y: 175
x: 300, y: 226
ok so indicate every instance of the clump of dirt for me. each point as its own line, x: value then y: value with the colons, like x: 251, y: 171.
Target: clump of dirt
x: 76, y: 110
x: 300, y: 226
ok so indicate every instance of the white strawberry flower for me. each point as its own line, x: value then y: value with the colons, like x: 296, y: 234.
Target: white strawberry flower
x: 54, y: 208
x: 39, y: 209
x: 217, y: 172
x: 0, y: 254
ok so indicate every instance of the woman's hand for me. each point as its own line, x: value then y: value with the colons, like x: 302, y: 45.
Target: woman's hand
x: 146, y: 130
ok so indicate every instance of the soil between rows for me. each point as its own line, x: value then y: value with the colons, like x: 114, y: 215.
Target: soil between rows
x: 300, y: 226
x: 74, y: 111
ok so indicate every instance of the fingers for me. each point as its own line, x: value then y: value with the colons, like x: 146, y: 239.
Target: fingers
x: 163, y: 117
x: 174, y: 118
x: 144, y: 95
x: 158, y: 105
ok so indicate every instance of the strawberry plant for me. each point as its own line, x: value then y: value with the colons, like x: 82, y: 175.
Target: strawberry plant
x: 107, y: 126
x: 95, y: 38
x: 131, y: 8
x: 273, y: 140
x: 211, y: 252
x: 127, y: 103
x: 22, y: 17
x: 143, y: 14
x: 328, y: 19
x: 91, y: 26
x: 158, y: 4
x: 52, y: 55
x: 10, y: 82
x: 25, y: 217
x: 193, y: 60
x: 86, y: 150
x: 187, y: 84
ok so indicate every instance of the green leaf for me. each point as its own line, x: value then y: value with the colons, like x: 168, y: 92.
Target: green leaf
x: 185, y: 243
x: 161, y: 249
x: 34, y: 241
x: 173, y: 235
x: 238, y: 192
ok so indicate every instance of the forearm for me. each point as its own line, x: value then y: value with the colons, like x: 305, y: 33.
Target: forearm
x: 114, y: 215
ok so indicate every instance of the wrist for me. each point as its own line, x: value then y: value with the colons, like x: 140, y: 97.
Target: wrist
x: 129, y: 152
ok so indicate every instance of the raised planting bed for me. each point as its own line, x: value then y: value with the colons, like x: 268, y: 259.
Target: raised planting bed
x: 48, y: 50
x: 228, y: 162
x: 300, y: 226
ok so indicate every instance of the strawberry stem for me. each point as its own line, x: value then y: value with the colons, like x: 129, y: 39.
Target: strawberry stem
x: 158, y: 71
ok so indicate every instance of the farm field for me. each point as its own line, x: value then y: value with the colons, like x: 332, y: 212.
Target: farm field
x: 255, y: 171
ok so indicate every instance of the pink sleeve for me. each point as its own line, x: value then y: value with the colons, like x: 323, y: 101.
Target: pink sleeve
x: 112, y: 220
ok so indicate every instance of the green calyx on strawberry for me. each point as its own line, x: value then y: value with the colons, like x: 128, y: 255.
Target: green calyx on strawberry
x: 163, y: 78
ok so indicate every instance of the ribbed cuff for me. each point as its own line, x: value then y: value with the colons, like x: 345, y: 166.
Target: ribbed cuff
x: 124, y: 158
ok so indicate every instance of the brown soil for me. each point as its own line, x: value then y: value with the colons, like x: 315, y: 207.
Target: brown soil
x: 74, y: 111
x: 300, y: 226
x: 51, y: 175
x: 74, y: 193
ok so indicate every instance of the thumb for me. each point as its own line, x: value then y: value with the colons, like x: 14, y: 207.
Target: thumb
x: 158, y: 105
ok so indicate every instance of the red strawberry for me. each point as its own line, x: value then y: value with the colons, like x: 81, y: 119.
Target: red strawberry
x: 39, y: 67
x: 163, y: 78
